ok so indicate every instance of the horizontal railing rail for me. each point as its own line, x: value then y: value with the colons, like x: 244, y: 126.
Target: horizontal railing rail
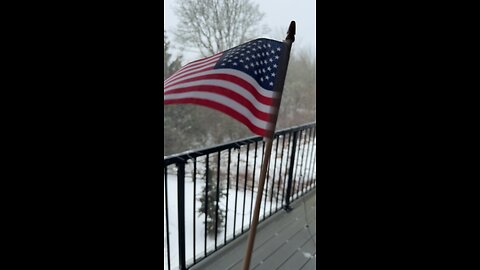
x: 209, y: 193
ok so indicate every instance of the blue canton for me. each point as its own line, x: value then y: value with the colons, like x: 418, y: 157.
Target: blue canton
x: 258, y: 58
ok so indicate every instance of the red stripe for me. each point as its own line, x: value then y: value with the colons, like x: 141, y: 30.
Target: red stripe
x: 181, y: 75
x: 250, y: 88
x: 220, y: 107
x: 189, y: 67
x: 224, y: 92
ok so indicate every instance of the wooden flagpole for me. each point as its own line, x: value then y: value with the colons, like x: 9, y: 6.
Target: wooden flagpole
x: 268, y: 143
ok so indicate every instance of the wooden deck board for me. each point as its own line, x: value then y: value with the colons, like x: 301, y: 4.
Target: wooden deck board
x: 283, y: 241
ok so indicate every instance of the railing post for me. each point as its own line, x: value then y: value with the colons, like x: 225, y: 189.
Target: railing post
x: 290, y: 173
x: 181, y: 214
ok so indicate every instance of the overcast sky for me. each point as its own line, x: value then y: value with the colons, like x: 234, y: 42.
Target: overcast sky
x: 278, y: 14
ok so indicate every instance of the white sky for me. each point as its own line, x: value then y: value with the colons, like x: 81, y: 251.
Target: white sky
x: 278, y: 14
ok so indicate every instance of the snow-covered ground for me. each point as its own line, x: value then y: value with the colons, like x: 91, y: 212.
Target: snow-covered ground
x: 303, y: 172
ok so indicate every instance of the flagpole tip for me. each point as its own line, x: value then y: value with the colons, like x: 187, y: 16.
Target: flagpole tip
x: 291, y: 31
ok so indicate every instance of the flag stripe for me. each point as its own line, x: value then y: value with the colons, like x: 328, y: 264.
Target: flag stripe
x: 220, y: 107
x: 192, y: 68
x: 225, y: 101
x: 240, y: 88
x: 241, y: 76
x: 263, y: 113
x: 188, y: 72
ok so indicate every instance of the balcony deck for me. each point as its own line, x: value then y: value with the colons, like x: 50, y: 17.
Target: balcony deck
x: 283, y: 241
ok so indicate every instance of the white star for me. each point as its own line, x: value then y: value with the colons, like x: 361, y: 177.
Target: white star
x: 278, y: 49
x: 252, y: 65
x: 263, y: 70
x: 271, y: 84
x: 246, y: 66
x: 275, y: 66
x: 234, y: 63
x: 276, y: 57
x: 261, y: 79
x: 269, y: 68
x: 241, y: 61
x: 223, y: 64
x: 272, y: 51
x: 247, y: 58
x: 253, y: 49
x: 273, y: 74
x: 229, y: 60
x: 253, y: 56
x: 258, y: 55
x: 267, y: 54
x: 256, y: 63
x: 266, y: 77
x: 255, y: 72
x: 268, y: 44
x: 271, y: 60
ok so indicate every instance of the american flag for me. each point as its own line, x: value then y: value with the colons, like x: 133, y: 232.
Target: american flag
x: 238, y: 82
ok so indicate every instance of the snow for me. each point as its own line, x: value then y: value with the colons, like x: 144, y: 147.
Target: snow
x: 233, y: 220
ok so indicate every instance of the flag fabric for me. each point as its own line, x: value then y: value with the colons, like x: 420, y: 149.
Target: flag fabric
x: 238, y: 82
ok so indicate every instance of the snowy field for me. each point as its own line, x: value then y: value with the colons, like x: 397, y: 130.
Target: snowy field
x: 236, y: 213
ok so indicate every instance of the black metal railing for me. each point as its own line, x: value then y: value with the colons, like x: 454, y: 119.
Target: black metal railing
x: 209, y: 193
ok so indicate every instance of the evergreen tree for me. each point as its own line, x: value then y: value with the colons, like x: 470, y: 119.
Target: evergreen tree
x: 169, y: 65
x: 211, y: 211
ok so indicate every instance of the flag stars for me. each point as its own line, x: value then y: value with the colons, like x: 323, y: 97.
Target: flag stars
x: 276, y: 57
x: 273, y: 74
x: 246, y: 66
x: 275, y: 66
x: 271, y: 83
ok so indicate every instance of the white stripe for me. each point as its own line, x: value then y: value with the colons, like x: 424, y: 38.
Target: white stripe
x: 225, y: 101
x: 188, y: 72
x: 264, y: 92
x: 226, y: 84
x: 191, y: 66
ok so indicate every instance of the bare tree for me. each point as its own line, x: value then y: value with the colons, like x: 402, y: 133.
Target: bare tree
x: 216, y: 25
